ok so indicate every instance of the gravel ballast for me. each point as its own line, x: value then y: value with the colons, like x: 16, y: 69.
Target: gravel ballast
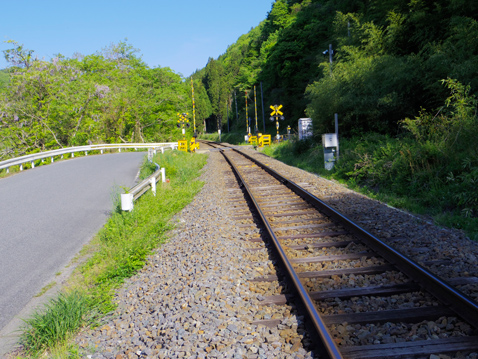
x: 193, y: 299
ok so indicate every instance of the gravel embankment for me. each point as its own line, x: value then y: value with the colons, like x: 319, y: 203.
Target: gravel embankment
x: 193, y: 299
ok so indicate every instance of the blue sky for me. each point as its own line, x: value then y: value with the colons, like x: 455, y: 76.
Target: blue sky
x: 180, y: 34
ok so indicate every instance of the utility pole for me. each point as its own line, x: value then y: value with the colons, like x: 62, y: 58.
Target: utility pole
x: 330, y: 51
x: 235, y: 99
x: 256, y: 129
x: 263, y: 116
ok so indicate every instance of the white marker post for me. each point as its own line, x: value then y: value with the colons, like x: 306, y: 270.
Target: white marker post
x: 127, y: 202
x: 152, y: 181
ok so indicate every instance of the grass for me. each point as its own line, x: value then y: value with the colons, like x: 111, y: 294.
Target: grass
x: 117, y: 252
x: 60, y: 317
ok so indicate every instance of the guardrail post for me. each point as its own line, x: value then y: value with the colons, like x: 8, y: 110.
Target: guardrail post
x: 33, y: 164
x: 86, y: 153
x: 101, y: 151
x: 61, y: 156
x: 162, y: 149
x: 21, y: 167
x: 72, y: 154
x: 8, y: 169
x: 52, y: 160
x: 127, y: 202
x: 163, y: 174
x: 119, y: 149
x: 153, y: 185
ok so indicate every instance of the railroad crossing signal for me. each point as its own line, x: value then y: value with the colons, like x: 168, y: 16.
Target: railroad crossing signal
x: 183, y: 123
x: 276, y: 110
x: 277, y: 115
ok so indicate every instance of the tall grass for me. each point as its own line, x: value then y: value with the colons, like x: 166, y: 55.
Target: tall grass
x: 55, y: 323
x: 117, y: 252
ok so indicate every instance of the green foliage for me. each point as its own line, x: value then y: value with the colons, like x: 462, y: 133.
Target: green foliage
x: 389, y: 59
x: 111, y: 96
x: 4, y: 78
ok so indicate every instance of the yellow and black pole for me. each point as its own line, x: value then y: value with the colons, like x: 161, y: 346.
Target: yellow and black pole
x: 247, y: 119
x: 194, y: 144
x: 276, y: 114
x: 194, y: 110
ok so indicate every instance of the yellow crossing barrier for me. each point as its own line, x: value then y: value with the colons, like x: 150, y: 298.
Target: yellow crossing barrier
x: 264, y: 140
x: 192, y: 145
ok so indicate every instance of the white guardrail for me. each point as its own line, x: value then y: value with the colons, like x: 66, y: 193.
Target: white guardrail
x: 133, y: 193
x: 127, y: 199
x: 19, y: 161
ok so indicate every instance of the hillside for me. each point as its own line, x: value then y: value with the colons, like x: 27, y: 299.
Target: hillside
x: 389, y: 59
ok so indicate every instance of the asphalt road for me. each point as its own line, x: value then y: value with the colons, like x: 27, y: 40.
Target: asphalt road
x: 47, y: 214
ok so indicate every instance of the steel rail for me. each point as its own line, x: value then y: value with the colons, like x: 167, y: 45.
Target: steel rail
x: 457, y: 301
x: 329, y: 347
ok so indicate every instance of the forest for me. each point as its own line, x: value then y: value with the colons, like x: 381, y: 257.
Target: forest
x: 108, y: 97
x: 389, y: 58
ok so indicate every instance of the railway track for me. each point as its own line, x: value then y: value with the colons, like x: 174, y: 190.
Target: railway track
x: 327, y: 259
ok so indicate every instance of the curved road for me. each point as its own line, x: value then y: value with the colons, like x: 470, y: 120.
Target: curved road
x: 47, y: 214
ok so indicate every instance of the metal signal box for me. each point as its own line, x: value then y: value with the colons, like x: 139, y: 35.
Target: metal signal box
x: 305, y: 128
x: 330, y: 142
